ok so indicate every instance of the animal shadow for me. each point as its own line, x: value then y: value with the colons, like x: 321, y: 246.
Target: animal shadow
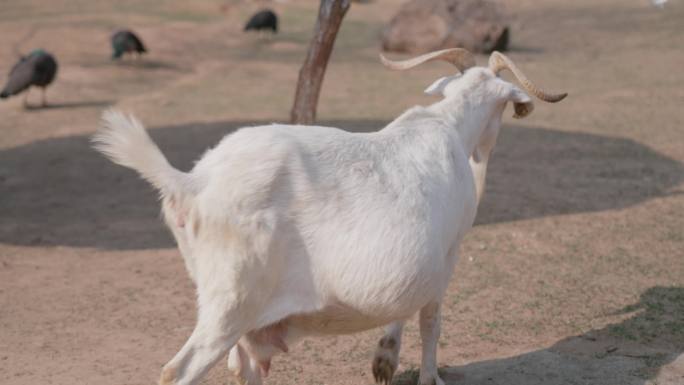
x: 147, y: 64
x: 58, y: 191
x: 642, y: 350
x: 70, y: 105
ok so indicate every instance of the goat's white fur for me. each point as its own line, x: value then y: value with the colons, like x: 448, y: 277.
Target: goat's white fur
x: 317, y: 230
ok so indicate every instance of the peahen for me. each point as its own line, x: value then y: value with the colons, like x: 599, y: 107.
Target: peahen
x: 265, y: 19
x: 38, y: 69
x: 125, y: 41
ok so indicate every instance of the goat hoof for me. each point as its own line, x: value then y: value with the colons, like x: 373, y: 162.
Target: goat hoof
x: 431, y: 380
x: 383, y: 369
x: 168, y: 376
x: 386, y: 360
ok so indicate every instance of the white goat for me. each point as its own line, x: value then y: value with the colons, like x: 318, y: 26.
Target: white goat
x: 290, y: 231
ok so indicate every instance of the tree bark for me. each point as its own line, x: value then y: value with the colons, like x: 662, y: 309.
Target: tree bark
x: 330, y: 15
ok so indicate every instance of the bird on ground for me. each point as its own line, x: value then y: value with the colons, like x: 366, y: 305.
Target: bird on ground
x: 264, y: 19
x: 38, y: 69
x: 125, y: 41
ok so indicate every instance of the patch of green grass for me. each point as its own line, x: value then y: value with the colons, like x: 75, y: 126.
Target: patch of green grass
x: 675, y: 327
x: 622, y: 331
x: 407, y: 377
x: 661, y: 317
x: 653, y: 363
x: 655, y: 360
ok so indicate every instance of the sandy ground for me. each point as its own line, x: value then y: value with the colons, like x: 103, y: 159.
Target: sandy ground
x: 574, y: 273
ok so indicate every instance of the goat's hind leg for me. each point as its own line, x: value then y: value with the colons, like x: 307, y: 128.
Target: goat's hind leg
x: 222, y: 320
x: 386, y: 357
x: 218, y: 328
x: 430, y: 318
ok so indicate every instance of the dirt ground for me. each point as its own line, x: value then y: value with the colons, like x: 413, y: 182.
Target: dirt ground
x: 574, y: 273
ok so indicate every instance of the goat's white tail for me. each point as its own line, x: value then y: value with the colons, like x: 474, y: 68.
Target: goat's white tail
x: 124, y: 140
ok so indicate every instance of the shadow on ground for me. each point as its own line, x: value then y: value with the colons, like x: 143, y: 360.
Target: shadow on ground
x: 644, y: 349
x: 70, y: 105
x: 143, y: 63
x: 60, y: 192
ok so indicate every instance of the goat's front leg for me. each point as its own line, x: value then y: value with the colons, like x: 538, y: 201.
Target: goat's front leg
x: 429, y: 333
x: 219, y: 326
x: 386, y: 358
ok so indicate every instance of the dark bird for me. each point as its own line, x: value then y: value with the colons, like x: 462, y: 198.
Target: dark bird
x: 37, y: 69
x: 125, y: 41
x: 264, y: 19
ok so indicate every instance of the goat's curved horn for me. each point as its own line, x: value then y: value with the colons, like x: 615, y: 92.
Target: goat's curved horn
x: 498, y: 62
x: 459, y: 57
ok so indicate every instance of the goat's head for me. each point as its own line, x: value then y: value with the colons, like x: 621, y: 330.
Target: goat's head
x: 481, y: 85
x: 484, y: 80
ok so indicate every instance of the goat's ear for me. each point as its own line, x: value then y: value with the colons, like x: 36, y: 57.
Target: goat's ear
x: 522, y: 103
x: 437, y: 88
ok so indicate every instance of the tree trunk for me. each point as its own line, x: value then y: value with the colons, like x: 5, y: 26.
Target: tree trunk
x: 330, y: 15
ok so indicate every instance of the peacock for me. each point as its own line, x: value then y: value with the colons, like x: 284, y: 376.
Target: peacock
x: 125, y: 41
x: 265, y: 19
x: 38, y: 69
